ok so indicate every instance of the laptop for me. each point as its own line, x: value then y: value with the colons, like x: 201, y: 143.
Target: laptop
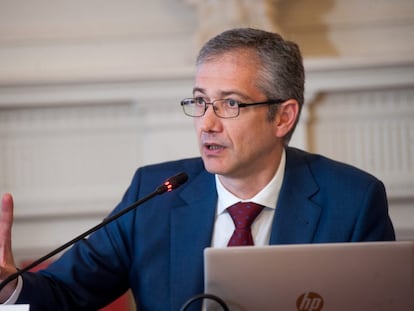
x: 361, y: 276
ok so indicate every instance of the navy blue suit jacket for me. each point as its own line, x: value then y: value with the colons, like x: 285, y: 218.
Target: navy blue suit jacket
x: 157, y: 249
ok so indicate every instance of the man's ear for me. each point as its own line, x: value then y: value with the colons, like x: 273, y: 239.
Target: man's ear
x: 286, y: 117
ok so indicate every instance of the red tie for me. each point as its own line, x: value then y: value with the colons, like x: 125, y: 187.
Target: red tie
x: 243, y: 215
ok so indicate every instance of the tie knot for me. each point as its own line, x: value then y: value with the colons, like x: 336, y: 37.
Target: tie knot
x: 244, y: 213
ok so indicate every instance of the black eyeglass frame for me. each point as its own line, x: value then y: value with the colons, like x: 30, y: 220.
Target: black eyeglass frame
x: 239, y: 105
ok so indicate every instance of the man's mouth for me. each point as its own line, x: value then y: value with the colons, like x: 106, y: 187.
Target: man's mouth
x: 213, y: 147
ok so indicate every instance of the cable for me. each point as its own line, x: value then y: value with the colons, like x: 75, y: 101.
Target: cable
x: 205, y: 296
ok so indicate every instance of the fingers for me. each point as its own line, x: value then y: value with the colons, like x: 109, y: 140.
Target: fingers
x: 6, y: 218
x: 7, y: 266
x: 6, y: 221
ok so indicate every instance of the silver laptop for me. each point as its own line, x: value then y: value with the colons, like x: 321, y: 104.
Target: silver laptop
x: 312, y: 277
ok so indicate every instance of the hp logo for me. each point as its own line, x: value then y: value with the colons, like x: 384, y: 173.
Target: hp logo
x: 309, y: 301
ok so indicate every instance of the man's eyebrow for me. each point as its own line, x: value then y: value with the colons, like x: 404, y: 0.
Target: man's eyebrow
x: 232, y: 93
x: 223, y: 94
x: 199, y: 90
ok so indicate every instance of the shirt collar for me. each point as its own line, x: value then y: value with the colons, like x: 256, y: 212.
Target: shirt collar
x: 268, y: 196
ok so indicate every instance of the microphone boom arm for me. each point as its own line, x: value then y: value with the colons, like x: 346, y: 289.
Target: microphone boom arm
x: 169, y: 185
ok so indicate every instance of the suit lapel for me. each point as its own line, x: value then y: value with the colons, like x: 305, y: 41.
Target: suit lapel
x: 191, y: 232
x: 296, y: 216
x: 192, y: 223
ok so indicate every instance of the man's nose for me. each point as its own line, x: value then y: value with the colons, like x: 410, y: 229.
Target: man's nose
x: 209, y: 121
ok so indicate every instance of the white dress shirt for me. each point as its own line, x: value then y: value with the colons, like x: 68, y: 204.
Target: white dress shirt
x: 262, y: 225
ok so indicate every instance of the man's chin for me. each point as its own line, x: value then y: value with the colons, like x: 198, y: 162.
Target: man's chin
x: 213, y: 167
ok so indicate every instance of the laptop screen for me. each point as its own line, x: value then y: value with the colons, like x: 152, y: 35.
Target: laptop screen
x: 337, y: 276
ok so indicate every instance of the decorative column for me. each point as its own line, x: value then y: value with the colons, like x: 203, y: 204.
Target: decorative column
x: 215, y: 16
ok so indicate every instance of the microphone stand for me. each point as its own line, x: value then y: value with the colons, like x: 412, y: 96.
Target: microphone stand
x: 169, y: 185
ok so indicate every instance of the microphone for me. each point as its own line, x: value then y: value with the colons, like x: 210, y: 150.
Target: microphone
x: 169, y: 185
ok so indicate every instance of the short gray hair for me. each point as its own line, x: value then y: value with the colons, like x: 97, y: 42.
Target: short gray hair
x: 281, y: 73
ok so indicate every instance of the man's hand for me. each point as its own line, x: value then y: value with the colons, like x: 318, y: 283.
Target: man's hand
x: 7, y: 266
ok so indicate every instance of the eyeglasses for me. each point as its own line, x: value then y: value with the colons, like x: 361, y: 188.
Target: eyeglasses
x: 223, y: 108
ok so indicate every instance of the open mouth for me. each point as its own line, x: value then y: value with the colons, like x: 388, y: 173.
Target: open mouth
x: 213, y: 147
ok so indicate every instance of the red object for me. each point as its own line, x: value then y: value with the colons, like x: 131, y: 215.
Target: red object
x: 121, y: 304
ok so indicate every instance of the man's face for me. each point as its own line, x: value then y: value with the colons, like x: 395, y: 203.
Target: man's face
x: 242, y: 146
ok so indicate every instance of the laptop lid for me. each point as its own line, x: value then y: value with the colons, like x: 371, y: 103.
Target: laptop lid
x: 312, y: 277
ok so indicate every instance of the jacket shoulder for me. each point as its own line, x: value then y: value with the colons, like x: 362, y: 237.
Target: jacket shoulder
x: 323, y: 166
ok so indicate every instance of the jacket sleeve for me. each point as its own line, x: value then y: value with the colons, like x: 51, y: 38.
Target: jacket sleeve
x: 92, y: 273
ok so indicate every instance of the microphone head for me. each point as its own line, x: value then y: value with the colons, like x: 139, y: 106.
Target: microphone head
x: 172, y: 183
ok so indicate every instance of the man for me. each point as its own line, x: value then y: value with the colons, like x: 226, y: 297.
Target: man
x: 246, y: 102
